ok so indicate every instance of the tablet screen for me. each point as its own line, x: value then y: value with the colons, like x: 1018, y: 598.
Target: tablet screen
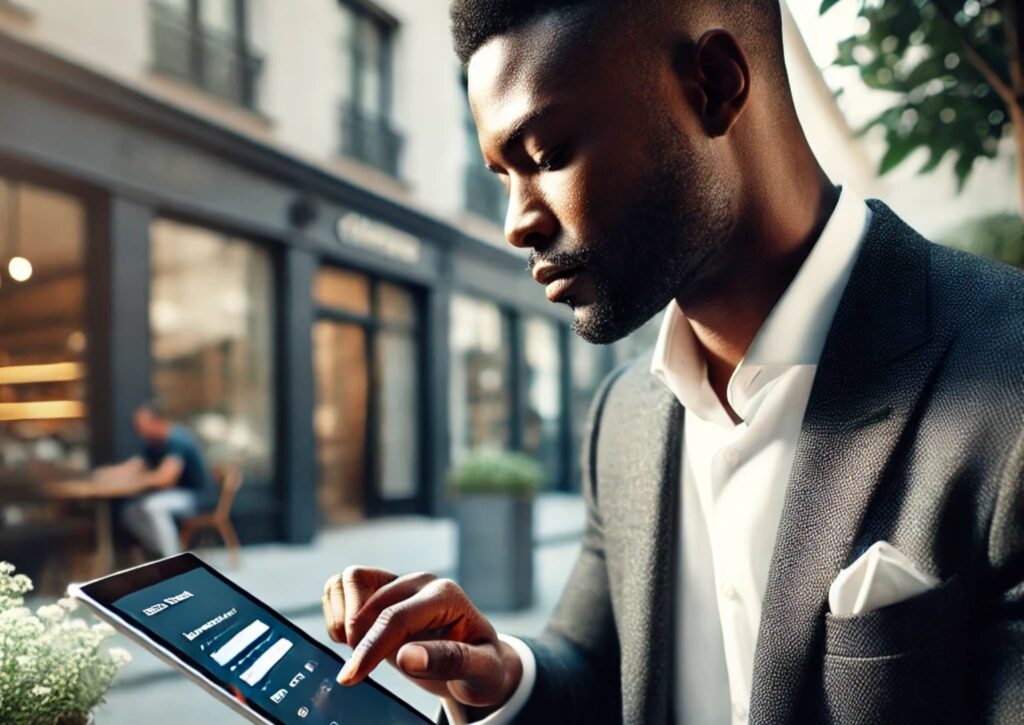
x: 262, y: 660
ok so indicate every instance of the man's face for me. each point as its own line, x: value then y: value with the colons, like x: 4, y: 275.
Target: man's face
x: 148, y: 425
x: 612, y: 182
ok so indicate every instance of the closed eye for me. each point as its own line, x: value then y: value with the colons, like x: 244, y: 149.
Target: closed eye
x: 555, y: 159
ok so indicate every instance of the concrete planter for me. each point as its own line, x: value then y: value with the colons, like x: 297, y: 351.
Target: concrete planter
x: 496, y: 549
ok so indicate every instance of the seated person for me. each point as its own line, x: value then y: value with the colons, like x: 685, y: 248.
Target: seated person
x: 172, y: 475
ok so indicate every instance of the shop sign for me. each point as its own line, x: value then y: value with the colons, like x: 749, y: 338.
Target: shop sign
x: 360, y: 231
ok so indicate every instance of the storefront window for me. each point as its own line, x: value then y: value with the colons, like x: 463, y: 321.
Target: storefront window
x: 480, y: 405
x: 542, y: 426
x: 43, y: 419
x: 211, y: 311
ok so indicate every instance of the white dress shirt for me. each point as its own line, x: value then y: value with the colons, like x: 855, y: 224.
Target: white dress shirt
x: 734, y: 477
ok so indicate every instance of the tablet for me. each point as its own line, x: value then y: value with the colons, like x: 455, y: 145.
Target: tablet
x: 236, y: 647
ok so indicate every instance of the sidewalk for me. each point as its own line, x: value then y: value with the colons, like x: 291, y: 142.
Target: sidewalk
x: 290, y: 579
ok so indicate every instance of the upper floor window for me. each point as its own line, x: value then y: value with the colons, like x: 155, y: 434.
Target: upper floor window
x: 206, y: 42
x: 366, y: 131
x: 485, y: 195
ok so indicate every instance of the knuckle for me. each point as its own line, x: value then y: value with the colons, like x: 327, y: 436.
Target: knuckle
x: 447, y: 588
x: 352, y: 575
x: 331, y: 583
x: 390, y: 616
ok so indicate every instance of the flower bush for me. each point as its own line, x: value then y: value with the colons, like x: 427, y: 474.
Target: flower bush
x: 53, y: 667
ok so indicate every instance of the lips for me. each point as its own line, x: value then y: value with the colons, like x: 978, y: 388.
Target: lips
x: 562, y: 286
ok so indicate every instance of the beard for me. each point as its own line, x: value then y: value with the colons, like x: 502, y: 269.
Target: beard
x: 681, y: 215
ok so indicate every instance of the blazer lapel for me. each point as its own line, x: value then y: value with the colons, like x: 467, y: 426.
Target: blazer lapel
x: 639, y: 456
x: 877, y: 361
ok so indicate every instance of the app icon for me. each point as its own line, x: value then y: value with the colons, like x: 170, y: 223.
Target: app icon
x: 279, y: 695
x: 297, y: 679
x: 310, y: 666
x: 303, y: 711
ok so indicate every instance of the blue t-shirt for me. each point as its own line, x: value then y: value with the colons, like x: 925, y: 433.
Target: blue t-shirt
x: 195, y: 476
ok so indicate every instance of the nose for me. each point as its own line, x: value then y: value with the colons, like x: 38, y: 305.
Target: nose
x: 529, y: 222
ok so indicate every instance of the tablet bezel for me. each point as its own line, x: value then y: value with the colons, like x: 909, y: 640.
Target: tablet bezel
x: 100, y: 595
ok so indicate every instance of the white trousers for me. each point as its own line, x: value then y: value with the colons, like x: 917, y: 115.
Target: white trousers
x: 150, y: 517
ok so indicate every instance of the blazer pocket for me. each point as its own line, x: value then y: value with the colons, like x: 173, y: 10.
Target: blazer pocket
x: 899, y: 664
x: 932, y: 617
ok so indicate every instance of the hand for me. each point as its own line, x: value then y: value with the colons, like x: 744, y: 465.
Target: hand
x: 425, y: 627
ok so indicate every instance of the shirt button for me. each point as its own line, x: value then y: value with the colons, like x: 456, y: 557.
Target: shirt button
x: 731, y: 456
x: 730, y: 593
x: 739, y: 711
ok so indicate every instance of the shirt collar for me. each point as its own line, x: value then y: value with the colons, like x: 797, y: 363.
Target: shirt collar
x: 793, y: 334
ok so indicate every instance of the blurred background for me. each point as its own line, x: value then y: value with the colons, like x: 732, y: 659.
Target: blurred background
x: 273, y: 218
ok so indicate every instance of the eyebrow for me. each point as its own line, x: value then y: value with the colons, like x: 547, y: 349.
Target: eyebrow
x: 522, y: 126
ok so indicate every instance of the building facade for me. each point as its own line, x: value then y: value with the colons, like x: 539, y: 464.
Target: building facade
x: 273, y: 218
x: 222, y: 211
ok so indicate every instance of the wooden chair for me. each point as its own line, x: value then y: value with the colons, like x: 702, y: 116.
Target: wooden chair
x: 219, y: 520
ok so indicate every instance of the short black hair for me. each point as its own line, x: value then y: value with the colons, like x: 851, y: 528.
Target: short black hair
x: 155, y: 408
x: 475, y: 22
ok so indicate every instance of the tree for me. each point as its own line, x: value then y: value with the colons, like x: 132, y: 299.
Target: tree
x: 956, y: 66
x: 997, y: 236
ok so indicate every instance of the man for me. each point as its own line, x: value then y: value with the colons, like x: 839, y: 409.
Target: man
x: 172, y: 476
x: 807, y: 505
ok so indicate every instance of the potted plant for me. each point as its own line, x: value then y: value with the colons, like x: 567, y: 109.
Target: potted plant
x: 494, y: 492
x: 53, y: 667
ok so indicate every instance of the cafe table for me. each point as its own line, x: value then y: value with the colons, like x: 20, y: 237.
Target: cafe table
x: 101, y: 495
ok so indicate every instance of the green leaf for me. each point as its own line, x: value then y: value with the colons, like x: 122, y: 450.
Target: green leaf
x: 938, y: 153
x: 826, y: 5
x: 963, y: 170
x: 898, y: 151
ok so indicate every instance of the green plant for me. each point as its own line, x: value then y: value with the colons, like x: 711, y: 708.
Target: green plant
x: 999, y: 237
x: 496, y: 471
x: 954, y: 71
x: 53, y: 669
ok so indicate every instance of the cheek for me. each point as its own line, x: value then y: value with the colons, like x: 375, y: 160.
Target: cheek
x: 589, y: 195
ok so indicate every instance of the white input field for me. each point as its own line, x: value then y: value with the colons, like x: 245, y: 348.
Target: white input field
x: 239, y: 642
x: 265, y: 662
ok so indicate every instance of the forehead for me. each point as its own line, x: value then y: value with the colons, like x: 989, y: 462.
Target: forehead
x: 555, y: 56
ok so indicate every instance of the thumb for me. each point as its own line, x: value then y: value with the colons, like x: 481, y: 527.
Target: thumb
x: 477, y: 664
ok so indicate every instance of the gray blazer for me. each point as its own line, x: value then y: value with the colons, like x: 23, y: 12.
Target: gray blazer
x: 914, y: 434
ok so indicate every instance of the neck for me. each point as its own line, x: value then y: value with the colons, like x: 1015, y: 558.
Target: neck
x: 769, y: 246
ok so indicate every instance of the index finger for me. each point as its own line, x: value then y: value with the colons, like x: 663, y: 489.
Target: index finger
x: 428, y: 609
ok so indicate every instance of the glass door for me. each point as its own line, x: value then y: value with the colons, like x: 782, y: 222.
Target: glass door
x: 340, y: 419
x: 368, y: 415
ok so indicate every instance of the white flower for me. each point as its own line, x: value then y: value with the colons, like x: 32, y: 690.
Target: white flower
x: 51, y: 665
x: 120, y: 656
x: 103, y: 629
x: 69, y: 603
x: 51, y: 613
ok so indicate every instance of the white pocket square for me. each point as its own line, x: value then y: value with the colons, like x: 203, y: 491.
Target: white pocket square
x: 881, y: 576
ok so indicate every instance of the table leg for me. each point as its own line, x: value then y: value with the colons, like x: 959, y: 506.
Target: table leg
x: 104, y: 538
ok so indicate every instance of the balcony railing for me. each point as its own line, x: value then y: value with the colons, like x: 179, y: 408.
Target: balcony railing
x: 370, y: 139
x: 214, y: 61
x: 485, y: 196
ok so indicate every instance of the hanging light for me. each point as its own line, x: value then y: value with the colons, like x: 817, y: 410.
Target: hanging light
x: 20, y: 269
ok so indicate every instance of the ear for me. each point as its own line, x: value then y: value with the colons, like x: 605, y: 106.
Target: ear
x: 723, y: 78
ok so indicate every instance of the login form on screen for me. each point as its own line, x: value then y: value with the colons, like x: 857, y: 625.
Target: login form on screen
x: 256, y: 656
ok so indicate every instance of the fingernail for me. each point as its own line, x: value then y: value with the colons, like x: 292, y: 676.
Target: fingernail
x: 415, y: 658
x: 345, y: 673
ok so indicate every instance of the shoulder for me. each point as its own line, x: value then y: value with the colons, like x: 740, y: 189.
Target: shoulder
x: 979, y: 305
